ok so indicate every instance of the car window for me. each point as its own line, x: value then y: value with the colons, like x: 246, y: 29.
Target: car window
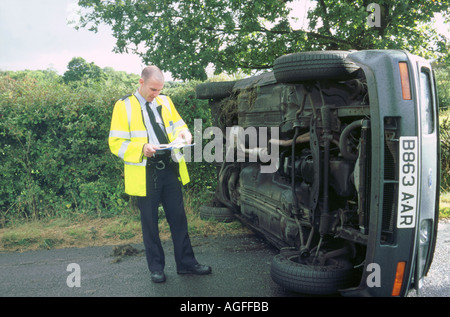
x: 426, y: 102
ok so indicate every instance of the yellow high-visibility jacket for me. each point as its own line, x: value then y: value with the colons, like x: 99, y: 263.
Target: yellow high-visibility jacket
x: 128, y: 135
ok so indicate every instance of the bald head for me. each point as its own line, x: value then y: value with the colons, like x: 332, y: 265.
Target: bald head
x: 151, y: 83
x: 152, y: 72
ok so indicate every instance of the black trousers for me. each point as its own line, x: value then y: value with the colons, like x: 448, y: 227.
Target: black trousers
x: 164, y: 187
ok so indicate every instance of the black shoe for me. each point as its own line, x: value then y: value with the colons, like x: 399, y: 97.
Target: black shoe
x: 158, y: 277
x: 198, y: 269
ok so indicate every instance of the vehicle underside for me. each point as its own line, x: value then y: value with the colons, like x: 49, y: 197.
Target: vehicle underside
x: 316, y: 206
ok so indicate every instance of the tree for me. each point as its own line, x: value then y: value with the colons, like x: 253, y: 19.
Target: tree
x: 185, y: 36
x: 115, y: 78
x: 80, y: 70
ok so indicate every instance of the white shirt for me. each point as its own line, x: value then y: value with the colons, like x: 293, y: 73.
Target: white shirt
x: 158, y: 118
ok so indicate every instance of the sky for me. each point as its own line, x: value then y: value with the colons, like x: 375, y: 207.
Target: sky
x: 34, y: 35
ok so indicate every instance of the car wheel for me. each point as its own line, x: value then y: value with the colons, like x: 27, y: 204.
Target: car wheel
x: 222, y: 214
x: 298, y: 276
x: 214, y: 90
x: 319, y: 65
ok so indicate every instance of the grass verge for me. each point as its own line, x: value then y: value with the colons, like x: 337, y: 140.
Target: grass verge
x: 444, y: 206
x: 84, y: 232
x: 126, y: 229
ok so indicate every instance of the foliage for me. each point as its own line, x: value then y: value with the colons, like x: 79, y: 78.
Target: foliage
x: 54, y: 154
x: 443, y: 86
x: 404, y: 25
x: 120, y: 78
x: 80, y: 70
x: 184, y: 37
x: 82, y: 73
x: 48, y: 75
x: 445, y: 151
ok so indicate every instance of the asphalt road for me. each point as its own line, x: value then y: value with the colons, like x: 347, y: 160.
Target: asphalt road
x: 241, y: 268
x: 437, y: 282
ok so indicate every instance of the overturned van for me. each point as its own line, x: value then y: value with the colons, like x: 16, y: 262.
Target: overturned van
x: 352, y: 200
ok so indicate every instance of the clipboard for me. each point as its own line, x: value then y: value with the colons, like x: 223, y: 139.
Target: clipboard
x: 173, y: 146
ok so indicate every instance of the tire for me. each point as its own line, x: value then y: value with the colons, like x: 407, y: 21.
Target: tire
x: 214, y: 90
x: 319, y: 65
x: 311, y: 279
x: 221, y: 214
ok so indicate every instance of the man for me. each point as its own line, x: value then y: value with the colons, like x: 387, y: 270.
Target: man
x: 140, y: 124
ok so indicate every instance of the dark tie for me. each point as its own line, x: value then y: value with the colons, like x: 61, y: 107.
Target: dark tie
x: 156, y: 127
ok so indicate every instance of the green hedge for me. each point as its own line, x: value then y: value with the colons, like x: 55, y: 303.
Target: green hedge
x: 443, y: 86
x: 54, y: 155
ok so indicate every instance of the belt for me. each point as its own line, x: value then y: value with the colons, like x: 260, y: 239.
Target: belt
x: 160, y: 161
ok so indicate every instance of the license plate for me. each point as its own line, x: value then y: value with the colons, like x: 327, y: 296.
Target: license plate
x: 408, y: 180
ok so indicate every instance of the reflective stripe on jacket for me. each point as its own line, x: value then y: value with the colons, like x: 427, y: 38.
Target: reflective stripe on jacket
x: 128, y: 135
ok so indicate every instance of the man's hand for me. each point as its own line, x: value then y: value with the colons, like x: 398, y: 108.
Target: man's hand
x: 149, y: 149
x: 185, y: 136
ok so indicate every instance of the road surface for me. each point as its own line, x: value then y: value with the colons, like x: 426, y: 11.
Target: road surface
x: 241, y: 268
